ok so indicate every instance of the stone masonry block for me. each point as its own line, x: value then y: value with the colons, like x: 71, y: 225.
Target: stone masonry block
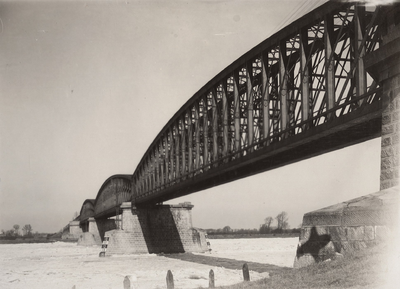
x: 386, y: 118
x: 385, y: 185
x: 395, y: 138
x: 322, y: 230
x: 337, y: 233
x: 392, y: 107
x: 387, y: 163
x: 382, y: 232
x: 369, y: 233
x: 387, y: 129
x: 395, y: 115
x: 387, y: 152
x: 355, y: 233
x: 386, y: 141
x: 388, y: 174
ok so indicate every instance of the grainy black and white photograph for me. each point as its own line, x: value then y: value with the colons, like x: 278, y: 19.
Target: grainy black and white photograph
x: 199, y: 144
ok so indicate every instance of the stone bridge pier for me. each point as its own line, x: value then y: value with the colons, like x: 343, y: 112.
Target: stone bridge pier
x: 156, y: 229
x: 373, y: 218
x: 93, y: 231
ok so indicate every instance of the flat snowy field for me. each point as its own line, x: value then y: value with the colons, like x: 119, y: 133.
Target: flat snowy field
x: 64, y: 265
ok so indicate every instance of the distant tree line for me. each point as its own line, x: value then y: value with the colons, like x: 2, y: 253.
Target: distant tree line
x: 15, y: 232
x: 282, y: 227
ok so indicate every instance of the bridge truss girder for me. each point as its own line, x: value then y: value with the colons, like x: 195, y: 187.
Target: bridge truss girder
x: 306, y: 77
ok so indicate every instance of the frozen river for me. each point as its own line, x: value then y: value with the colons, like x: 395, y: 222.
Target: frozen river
x: 64, y: 265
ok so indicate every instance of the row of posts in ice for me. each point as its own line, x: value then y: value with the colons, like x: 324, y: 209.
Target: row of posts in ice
x: 129, y: 281
x: 211, y: 280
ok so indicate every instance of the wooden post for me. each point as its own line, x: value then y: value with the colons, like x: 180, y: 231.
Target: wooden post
x: 246, y: 274
x: 129, y: 282
x: 211, y: 280
x: 170, y: 280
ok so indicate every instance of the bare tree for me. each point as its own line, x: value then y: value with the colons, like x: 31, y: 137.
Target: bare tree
x: 266, y: 227
x: 16, y: 229
x: 268, y: 222
x: 282, y: 220
x: 227, y: 229
x: 27, y: 230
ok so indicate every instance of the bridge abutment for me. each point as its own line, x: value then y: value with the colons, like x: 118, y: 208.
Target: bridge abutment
x: 156, y: 229
x: 372, y: 218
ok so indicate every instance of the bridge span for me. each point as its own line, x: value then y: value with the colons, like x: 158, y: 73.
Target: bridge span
x: 322, y: 83
x: 302, y: 92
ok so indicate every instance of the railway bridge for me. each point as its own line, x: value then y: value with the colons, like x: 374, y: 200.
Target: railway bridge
x: 328, y: 80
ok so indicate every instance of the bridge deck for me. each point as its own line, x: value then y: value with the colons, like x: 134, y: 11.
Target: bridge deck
x: 300, y: 93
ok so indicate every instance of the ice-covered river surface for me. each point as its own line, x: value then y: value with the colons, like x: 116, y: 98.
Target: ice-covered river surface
x: 64, y: 265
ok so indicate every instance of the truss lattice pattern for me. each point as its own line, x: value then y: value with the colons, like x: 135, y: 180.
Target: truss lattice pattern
x: 308, y: 74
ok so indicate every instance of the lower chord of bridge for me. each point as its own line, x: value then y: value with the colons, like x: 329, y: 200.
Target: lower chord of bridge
x: 302, y: 92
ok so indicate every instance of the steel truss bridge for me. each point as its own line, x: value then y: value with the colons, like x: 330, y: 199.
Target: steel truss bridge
x: 302, y: 92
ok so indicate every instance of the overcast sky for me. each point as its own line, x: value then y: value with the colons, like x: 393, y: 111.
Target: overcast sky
x: 85, y: 87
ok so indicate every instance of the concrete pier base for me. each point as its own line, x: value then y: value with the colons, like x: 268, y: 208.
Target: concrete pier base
x: 156, y: 229
x: 347, y: 226
x: 92, y: 236
x: 73, y: 232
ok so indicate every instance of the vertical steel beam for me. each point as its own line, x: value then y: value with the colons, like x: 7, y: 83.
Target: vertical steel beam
x: 265, y: 96
x: 152, y: 171
x: 141, y: 180
x: 144, y: 177
x: 166, y: 160
x: 250, y: 104
x: 190, y: 142
x: 162, y: 160
x: 329, y: 64
x: 359, y: 49
x: 147, y: 185
x: 305, y: 76
x: 171, y: 155
x: 136, y: 182
x: 177, y: 150
x: 214, y: 124
x: 236, y: 114
x: 148, y: 174
x: 224, y: 121
x: 283, y: 77
x: 159, y: 163
x: 197, y: 134
x: 156, y: 168
x: 183, y: 144
x: 205, y: 130
x: 134, y: 189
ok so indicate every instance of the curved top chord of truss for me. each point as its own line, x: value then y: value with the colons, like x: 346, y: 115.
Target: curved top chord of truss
x: 302, y: 92
x: 307, y: 77
x: 114, y: 191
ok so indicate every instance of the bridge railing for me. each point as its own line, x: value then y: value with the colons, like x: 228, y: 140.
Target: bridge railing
x: 308, y: 74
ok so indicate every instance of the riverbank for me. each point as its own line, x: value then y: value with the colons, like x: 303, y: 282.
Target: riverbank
x: 374, y: 267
